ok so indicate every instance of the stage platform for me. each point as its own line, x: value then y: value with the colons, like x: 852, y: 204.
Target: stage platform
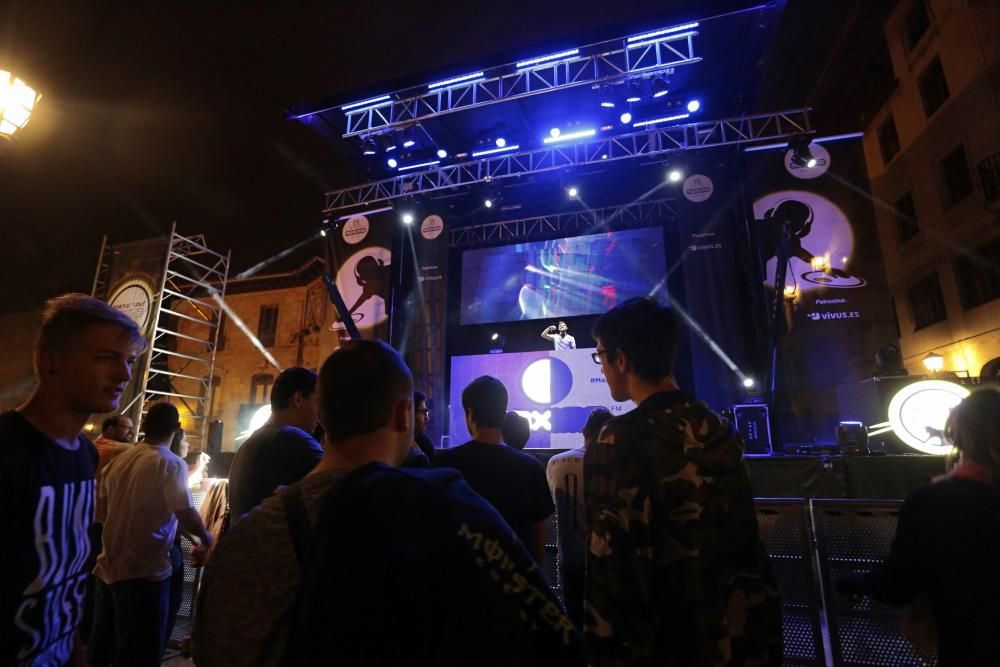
x: 889, y: 477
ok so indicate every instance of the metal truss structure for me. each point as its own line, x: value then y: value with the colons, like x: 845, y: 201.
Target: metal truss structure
x: 646, y: 143
x: 610, y: 63
x: 636, y: 214
x: 191, y: 272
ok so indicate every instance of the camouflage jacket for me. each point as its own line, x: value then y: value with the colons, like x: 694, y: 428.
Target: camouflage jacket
x: 676, y: 571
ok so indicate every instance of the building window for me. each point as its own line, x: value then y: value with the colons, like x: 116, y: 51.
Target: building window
x: 888, y: 140
x: 927, y: 302
x: 260, y: 389
x: 215, y: 390
x: 906, y: 218
x: 956, y: 179
x: 918, y: 20
x: 267, y: 326
x: 978, y: 275
x: 933, y: 87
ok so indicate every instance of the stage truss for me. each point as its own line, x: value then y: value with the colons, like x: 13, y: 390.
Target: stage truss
x: 646, y: 143
x: 611, y: 63
x: 637, y: 214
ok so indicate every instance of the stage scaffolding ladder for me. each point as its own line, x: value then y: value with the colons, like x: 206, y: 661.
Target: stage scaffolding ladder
x: 181, y: 364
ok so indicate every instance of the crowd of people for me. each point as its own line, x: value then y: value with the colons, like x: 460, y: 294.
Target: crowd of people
x: 357, y: 543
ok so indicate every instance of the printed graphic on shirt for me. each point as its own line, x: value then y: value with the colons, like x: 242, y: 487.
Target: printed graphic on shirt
x: 51, y: 606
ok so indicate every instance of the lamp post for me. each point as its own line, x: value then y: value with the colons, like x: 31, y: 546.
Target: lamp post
x: 17, y: 101
x: 933, y: 362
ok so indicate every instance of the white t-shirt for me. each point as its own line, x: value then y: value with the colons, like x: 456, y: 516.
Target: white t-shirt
x: 565, y: 476
x: 566, y: 342
x: 143, y: 487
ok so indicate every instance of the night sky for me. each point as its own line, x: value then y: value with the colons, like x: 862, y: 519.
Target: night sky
x: 154, y: 114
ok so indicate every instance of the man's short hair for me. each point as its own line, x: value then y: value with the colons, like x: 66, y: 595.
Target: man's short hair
x: 516, y: 430
x: 645, y: 331
x: 161, y: 420
x: 594, y: 424
x: 419, y: 396
x: 65, y: 316
x: 360, y: 385
x: 290, y: 381
x: 487, y: 398
x: 109, y: 422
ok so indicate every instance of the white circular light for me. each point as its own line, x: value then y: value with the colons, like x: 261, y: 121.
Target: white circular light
x: 921, y: 406
x: 391, y: 162
x: 259, y: 418
x: 501, y: 142
x: 554, y: 132
x: 442, y: 153
x: 536, y: 381
x: 675, y: 175
x: 693, y: 106
x: 408, y: 218
x: 572, y: 192
x: 748, y: 382
x: 625, y: 118
x: 488, y: 203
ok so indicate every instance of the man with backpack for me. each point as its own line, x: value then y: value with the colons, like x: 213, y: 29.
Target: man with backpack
x: 363, y: 562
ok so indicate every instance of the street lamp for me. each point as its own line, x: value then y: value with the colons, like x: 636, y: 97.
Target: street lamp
x: 17, y: 100
x: 933, y: 362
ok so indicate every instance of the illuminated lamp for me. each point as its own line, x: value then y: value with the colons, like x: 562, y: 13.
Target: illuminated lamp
x: 918, y: 412
x: 933, y: 362
x: 17, y: 101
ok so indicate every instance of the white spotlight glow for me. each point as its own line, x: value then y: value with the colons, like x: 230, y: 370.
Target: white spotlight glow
x: 693, y: 106
x: 572, y: 192
x: 488, y: 203
x: 625, y: 118
x: 408, y: 218
x: 554, y: 132
x: 392, y: 162
x: 748, y: 382
x: 675, y: 175
x: 501, y: 142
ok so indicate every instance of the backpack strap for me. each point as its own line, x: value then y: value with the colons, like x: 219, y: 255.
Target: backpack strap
x: 298, y: 523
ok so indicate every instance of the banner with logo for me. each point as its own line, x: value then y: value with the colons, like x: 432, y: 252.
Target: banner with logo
x: 132, y: 284
x: 420, y: 323
x: 362, y: 255
x: 836, y: 306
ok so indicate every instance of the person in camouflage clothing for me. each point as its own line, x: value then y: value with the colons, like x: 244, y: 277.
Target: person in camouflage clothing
x: 676, y: 571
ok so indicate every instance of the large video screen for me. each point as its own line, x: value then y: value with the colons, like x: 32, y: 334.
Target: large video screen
x: 555, y: 391
x: 582, y: 275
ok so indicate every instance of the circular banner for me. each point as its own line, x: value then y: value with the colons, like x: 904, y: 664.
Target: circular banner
x: 355, y: 229
x: 135, y: 299
x: 697, y: 188
x: 431, y: 227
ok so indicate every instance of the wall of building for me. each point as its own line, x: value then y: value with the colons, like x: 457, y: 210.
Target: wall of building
x: 963, y: 35
x: 17, y: 375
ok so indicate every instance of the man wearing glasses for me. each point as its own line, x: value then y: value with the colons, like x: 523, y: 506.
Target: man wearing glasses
x: 675, y: 569
x: 422, y: 417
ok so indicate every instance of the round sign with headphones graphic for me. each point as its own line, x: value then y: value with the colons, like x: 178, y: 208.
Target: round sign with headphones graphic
x: 364, y: 281
x: 820, y: 240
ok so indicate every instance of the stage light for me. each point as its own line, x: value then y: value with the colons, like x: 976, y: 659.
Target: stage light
x: 693, y: 106
x: 259, y: 418
x: 791, y: 291
x: 495, y: 336
x: 608, y: 104
x: 322, y: 232
x: 442, y: 153
x: 500, y: 142
x: 800, y: 152
x: 458, y: 79
x: 664, y: 119
x: 659, y: 33
x: 430, y: 163
x: 493, y: 151
x: 554, y: 132
x: 625, y: 118
x: 548, y: 59
x: 408, y: 143
x: 933, y: 362
x: 580, y: 134
x: 748, y: 382
x: 407, y: 218
x: 572, y: 192
x: 634, y: 93
x: 388, y: 142
x: 607, y: 100
x: 368, y: 147
x: 392, y: 162
x: 919, y: 411
x: 371, y: 102
x: 659, y: 87
x: 675, y: 175
x: 488, y: 203
x: 17, y: 100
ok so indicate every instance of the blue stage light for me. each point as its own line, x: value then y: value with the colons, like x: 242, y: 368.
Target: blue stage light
x: 408, y: 143
x: 442, y: 153
x: 665, y: 119
x: 431, y: 163
x: 573, y: 192
x: 693, y: 106
x: 554, y: 132
x: 659, y: 87
x: 458, y: 79
x: 488, y: 203
x: 492, y: 151
x: 608, y: 104
x: 657, y: 35
x: 374, y: 101
x: 392, y: 162
x: 501, y: 142
x: 407, y: 218
x: 625, y: 118
x: 548, y: 58
x: 580, y: 134
x: 390, y: 148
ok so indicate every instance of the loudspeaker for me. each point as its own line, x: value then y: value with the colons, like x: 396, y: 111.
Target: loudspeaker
x: 754, y: 424
x: 214, y: 444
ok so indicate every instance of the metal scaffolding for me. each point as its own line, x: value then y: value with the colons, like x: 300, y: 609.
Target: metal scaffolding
x: 192, y: 273
x: 646, y: 143
x: 636, y: 214
x: 608, y: 63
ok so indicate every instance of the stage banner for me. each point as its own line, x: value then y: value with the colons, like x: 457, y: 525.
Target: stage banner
x: 131, y: 283
x: 555, y: 391
x: 836, y: 308
x: 708, y: 260
x: 420, y: 321
x: 361, y: 247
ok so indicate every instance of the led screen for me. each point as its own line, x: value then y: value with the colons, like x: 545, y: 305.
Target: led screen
x: 582, y: 275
